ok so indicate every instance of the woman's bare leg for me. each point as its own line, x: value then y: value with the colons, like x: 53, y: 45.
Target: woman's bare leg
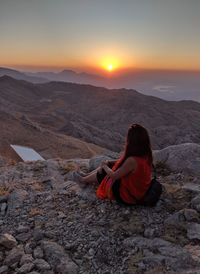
x: 91, y: 177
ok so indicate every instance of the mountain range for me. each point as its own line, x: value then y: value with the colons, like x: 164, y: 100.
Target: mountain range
x: 167, y: 85
x: 49, y: 116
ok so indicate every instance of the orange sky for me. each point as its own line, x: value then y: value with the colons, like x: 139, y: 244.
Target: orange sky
x: 90, y: 36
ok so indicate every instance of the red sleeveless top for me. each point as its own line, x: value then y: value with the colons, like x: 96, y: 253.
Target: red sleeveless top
x: 136, y: 183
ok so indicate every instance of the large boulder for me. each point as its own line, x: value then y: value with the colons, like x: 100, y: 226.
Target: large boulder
x: 180, y: 158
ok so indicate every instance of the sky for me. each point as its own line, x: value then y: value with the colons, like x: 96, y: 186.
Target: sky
x: 94, y: 35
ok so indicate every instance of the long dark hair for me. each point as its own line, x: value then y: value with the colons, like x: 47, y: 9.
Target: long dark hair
x: 137, y: 144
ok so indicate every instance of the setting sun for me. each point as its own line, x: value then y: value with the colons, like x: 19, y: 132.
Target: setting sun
x: 110, y: 67
x: 110, y: 64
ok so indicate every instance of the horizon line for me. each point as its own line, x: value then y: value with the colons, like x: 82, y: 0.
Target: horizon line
x: 27, y: 68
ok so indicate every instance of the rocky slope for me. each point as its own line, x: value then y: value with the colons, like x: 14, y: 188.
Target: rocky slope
x: 19, y: 129
x: 50, y: 224
x: 98, y: 115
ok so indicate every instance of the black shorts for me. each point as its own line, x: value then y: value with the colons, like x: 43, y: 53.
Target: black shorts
x: 115, y: 187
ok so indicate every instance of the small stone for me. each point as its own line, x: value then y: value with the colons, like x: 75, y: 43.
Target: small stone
x: 26, y: 258
x: 193, y: 231
x: 176, y: 220
x: 23, y: 237
x: 49, y: 198
x: 14, y: 266
x: 42, y: 264
x: 61, y: 215
x: 26, y: 268
x: 3, y: 269
x: 38, y: 253
x: 91, y: 252
x: 8, y: 241
x: 141, y: 266
x: 3, y: 209
x: 22, y: 229
x: 38, y: 234
x: 195, y: 203
x: 14, y: 256
x: 191, y: 215
x: 28, y: 248
x: 149, y: 233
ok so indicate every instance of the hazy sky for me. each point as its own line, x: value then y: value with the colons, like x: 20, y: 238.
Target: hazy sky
x: 94, y: 33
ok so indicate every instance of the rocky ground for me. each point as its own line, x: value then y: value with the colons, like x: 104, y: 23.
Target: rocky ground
x: 50, y: 224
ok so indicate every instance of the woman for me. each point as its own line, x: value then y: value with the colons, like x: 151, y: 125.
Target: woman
x: 128, y: 178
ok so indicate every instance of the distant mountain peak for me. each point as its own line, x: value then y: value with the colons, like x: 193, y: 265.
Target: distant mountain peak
x: 6, y: 77
x: 67, y: 72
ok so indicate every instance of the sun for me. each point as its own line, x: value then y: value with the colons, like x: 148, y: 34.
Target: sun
x: 109, y: 64
x: 110, y: 67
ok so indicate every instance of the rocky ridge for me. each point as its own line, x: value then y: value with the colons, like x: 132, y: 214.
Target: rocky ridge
x: 51, y: 224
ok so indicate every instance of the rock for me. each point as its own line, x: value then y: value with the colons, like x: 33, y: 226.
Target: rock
x: 143, y: 243
x: 173, y: 256
x: 16, y: 199
x: 176, y: 220
x: 41, y: 264
x: 26, y: 268
x: 193, y: 187
x: 3, y: 269
x: 193, y: 231
x: 58, y: 259
x: 180, y: 158
x: 194, y: 251
x: 88, y: 235
x: 149, y: 233
x: 14, y: 256
x: 26, y: 258
x: 22, y: 229
x: 23, y: 237
x: 179, y: 219
x: 28, y: 248
x: 38, y: 234
x: 38, y: 253
x: 191, y: 215
x: 195, y: 203
x: 8, y: 241
x: 3, y: 209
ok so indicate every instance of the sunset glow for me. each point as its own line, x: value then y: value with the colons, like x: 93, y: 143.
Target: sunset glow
x: 32, y: 37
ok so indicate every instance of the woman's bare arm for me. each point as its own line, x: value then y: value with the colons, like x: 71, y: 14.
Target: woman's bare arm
x: 128, y: 166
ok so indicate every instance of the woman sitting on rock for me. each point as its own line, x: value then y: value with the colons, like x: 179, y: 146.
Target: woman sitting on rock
x: 127, y: 179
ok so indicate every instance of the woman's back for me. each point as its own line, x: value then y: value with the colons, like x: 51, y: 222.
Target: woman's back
x: 136, y: 183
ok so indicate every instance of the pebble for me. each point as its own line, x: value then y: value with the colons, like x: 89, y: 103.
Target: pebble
x: 3, y: 269
x: 8, y: 241
x: 42, y: 264
x: 26, y: 268
x: 3, y: 208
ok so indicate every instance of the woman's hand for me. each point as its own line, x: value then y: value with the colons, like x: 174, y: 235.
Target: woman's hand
x: 128, y: 166
x: 105, y: 162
